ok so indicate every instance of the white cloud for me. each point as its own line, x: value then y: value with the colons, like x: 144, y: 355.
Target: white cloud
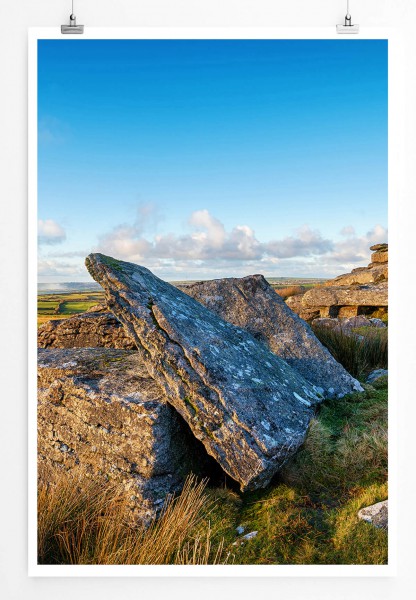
x: 356, y: 248
x: 55, y: 268
x: 209, y: 240
x: 210, y: 249
x: 50, y: 232
x: 306, y: 242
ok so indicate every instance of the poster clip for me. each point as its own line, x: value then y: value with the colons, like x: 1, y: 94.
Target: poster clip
x: 72, y: 27
x: 348, y: 27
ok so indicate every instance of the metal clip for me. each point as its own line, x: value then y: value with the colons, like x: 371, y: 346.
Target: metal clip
x: 348, y: 27
x: 72, y: 27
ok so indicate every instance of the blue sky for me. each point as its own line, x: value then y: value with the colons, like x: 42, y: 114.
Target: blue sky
x: 211, y: 158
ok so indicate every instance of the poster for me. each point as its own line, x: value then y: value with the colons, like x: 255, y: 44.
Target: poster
x: 214, y: 426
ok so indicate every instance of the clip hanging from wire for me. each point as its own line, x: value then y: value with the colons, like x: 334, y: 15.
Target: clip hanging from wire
x: 348, y: 27
x: 72, y: 27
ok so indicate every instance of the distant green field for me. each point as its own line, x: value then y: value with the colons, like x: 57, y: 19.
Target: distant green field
x: 62, y: 306
x: 70, y: 308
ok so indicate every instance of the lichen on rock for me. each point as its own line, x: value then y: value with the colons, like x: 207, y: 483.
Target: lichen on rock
x: 232, y: 381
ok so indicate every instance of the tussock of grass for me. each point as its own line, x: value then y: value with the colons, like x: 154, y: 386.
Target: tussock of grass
x: 292, y: 290
x: 85, y: 522
x: 359, y: 354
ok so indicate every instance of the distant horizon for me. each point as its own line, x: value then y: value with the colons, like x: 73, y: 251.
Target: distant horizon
x: 96, y: 285
x: 203, y: 159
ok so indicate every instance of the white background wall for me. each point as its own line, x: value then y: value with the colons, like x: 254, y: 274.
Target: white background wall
x: 16, y: 17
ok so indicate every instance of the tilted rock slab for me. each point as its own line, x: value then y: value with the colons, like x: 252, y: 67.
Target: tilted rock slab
x: 251, y: 303
x: 100, y: 413
x: 250, y: 409
x: 90, y: 329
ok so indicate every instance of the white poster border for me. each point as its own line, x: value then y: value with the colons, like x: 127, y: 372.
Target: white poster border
x: 395, y: 127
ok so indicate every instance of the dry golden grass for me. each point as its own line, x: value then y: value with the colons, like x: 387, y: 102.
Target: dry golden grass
x: 86, y: 522
x: 293, y: 290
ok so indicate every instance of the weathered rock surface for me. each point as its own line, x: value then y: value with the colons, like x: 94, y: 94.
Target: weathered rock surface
x: 379, y: 248
x: 377, y: 374
x: 250, y: 409
x: 361, y: 295
x: 295, y: 304
x: 101, y: 413
x: 376, y: 514
x: 379, y: 257
x: 362, y: 275
x: 95, y: 329
x: 348, y: 324
x: 251, y: 303
x: 98, y: 308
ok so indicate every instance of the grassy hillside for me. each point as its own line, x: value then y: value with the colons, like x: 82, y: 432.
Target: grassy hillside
x: 308, y: 515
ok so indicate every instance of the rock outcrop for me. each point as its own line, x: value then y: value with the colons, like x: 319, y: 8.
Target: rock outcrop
x: 376, y: 272
x: 251, y: 303
x: 99, y: 411
x: 337, y: 301
x: 95, y: 329
x: 363, y: 291
x: 250, y: 409
x: 349, y: 324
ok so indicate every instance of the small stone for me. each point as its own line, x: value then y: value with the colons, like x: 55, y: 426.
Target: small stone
x: 376, y: 374
x: 376, y: 514
x: 250, y: 536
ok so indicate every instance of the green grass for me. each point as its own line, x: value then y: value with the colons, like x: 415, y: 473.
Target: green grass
x: 71, y: 308
x: 359, y: 354
x: 47, y: 307
x: 307, y: 515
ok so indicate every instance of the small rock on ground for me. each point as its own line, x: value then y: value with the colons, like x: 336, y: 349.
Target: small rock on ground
x: 376, y: 374
x: 376, y: 514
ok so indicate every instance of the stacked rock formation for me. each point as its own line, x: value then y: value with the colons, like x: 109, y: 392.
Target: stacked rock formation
x: 226, y: 364
x: 364, y: 291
